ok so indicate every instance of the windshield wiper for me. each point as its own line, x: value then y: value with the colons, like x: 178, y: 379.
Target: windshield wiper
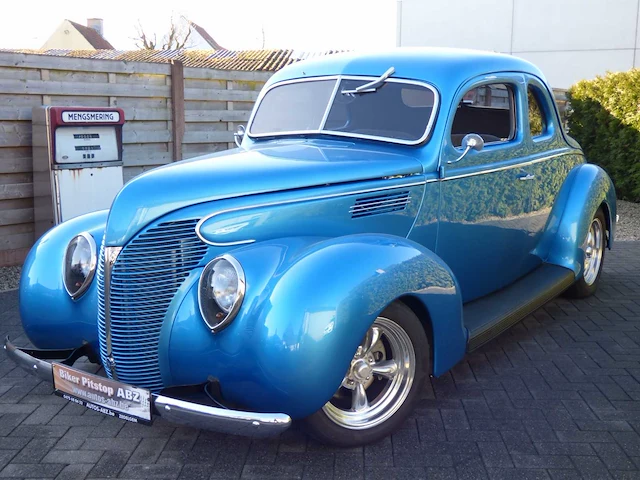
x: 371, y: 86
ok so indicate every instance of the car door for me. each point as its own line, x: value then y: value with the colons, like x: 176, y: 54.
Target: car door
x: 483, y: 232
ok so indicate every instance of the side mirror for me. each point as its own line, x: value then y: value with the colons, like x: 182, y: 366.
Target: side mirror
x: 238, y: 135
x: 472, y: 141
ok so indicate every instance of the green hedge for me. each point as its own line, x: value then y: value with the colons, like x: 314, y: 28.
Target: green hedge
x: 605, y: 120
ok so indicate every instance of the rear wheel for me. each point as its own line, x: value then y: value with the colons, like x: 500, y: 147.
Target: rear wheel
x: 381, y: 385
x: 594, y: 248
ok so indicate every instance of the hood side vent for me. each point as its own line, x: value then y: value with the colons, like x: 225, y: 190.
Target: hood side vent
x: 379, y: 204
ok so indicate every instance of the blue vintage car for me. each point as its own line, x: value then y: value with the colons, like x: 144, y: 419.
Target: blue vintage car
x: 383, y: 215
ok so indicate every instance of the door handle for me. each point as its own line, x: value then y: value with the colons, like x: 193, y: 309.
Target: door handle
x: 526, y: 176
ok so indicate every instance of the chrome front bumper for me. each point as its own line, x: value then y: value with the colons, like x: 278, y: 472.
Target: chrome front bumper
x: 235, y: 422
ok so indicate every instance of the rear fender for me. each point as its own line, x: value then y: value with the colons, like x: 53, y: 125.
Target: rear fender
x: 586, y: 188
x: 51, y: 319
x: 307, y: 309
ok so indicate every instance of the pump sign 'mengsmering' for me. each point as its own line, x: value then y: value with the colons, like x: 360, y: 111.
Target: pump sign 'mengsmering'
x: 91, y: 117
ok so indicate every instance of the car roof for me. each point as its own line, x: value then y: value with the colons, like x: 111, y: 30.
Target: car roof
x: 446, y: 68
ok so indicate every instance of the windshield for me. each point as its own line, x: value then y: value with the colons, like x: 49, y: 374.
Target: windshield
x: 399, y: 111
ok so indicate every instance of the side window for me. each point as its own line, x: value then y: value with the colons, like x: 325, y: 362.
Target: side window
x: 489, y: 111
x: 537, y: 120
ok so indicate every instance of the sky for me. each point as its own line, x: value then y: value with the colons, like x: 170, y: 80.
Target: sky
x: 236, y: 24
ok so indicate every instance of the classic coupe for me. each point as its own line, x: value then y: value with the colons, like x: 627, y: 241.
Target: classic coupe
x: 383, y: 214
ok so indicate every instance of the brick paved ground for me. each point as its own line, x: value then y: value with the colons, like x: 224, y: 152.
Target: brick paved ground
x: 558, y: 396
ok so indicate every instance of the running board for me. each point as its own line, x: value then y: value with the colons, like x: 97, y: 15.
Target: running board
x: 489, y: 316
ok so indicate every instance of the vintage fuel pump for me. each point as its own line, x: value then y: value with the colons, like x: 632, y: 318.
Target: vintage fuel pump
x: 77, y: 162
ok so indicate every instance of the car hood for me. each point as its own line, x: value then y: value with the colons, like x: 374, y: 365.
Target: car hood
x: 238, y: 172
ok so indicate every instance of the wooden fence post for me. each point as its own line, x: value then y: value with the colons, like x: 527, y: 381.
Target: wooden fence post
x: 177, y: 107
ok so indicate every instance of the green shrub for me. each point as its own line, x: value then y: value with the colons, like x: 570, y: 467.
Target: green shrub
x: 605, y: 120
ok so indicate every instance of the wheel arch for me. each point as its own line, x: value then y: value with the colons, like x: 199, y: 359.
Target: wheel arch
x: 606, y: 209
x: 422, y: 312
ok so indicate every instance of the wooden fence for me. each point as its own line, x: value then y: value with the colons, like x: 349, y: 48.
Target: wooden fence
x: 171, y: 113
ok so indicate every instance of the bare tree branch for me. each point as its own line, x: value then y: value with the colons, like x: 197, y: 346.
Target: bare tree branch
x: 142, y: 41
x: 182, y: 44
x: 176, y: 38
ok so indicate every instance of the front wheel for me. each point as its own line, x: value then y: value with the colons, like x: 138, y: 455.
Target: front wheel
x: 594, y: 248
x: 381, y: 385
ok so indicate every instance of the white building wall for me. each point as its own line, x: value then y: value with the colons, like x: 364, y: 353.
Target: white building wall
x: 66, y: 37
x: 196, y: 42
x: 568, y: 39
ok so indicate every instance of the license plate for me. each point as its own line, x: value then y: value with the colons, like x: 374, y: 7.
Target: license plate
x: 102, y: 394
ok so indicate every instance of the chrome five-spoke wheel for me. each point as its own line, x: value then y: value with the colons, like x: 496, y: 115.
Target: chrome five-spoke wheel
x: 378, y: 380
x: 594, y: 246
x: 381, y: 383
x: 594, y: 249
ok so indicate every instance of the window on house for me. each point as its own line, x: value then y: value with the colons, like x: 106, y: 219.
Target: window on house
x: 489, y: 111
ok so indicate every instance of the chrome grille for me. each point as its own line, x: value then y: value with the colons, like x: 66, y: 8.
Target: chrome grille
x: 144, y: 280
x: 377, y: 204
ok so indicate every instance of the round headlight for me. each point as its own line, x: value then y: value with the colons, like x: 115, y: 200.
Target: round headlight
x: 79, y: 264
x: 221, y: 291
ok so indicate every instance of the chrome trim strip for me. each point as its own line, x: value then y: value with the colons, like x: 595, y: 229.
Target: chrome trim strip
x: 231, y: 314
x: 382, y: 198
x: 507, y: 167
x: 367, y: 202
x: 399, y: 203
x: 322, y: 131
x: 94, y: 262
x: 224, y: 420
x: 380, y: 203
x: 375, y: 210
x: 288, y: 202
x: 110, y: 256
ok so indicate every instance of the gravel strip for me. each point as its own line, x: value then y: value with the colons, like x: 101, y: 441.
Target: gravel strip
x: 9, y: 278
x: 628, y: 227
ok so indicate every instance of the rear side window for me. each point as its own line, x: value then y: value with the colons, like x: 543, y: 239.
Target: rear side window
x: 537, y: 120
x: 489, y: 111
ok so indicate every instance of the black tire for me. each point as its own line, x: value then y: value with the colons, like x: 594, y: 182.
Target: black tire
x: 583, y: 288
x: 321, y: 426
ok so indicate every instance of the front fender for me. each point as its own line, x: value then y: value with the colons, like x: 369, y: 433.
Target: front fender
x: 309, y: 303
x: 586, y: 188
x: 51, y: 319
